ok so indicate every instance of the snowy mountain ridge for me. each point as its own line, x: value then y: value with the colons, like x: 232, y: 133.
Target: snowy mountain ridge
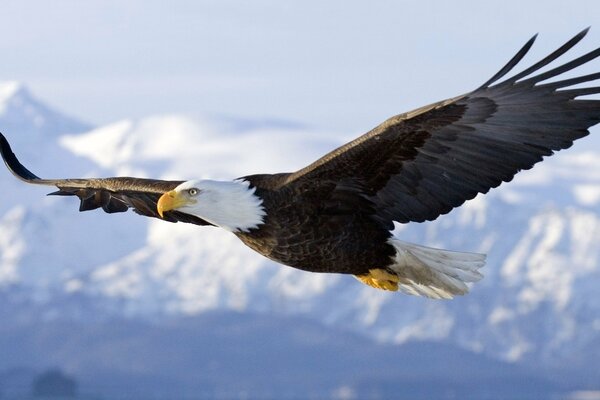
x: 538, y: 299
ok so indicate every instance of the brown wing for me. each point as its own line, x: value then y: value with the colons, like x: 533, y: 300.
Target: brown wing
x: 111, y: 194
x: 419, y: 165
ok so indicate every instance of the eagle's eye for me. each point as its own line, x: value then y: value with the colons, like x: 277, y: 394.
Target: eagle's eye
x: 192, y: 191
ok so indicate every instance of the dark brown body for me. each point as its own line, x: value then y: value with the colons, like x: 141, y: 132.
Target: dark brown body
x: 321, y: 227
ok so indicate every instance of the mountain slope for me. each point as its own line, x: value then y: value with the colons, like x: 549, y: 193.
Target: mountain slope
x: 233, y: 355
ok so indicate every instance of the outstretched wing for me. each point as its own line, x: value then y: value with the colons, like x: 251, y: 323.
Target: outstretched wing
x: 421, y: 164
x: 111, y: 194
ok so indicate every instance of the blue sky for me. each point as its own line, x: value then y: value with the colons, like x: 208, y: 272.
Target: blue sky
x: 341, y: 65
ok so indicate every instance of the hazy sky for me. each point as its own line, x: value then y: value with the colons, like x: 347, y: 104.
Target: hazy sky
x: 342, y: 65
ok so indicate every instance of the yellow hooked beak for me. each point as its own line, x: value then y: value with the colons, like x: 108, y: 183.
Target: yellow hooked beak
x: 170, y: 201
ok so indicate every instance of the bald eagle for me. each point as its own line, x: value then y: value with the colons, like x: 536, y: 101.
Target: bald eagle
x: 336, y: 215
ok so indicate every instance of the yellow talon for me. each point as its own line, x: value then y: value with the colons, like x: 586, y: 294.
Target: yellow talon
x: 380, y: 279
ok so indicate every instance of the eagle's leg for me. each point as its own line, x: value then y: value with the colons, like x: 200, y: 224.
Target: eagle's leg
x: 380, y: 278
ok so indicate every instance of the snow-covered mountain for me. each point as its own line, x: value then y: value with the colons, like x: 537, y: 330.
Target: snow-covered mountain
x: 538, y: 301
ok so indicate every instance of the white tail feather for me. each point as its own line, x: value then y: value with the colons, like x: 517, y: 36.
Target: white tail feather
x: 434, y: 273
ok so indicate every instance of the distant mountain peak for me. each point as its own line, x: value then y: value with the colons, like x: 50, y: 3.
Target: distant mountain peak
x: 9, y: 91
x: 8, y: 88
x: 22, y: 113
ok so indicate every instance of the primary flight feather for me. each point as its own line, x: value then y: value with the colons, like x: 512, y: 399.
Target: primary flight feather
x: 336, y: 215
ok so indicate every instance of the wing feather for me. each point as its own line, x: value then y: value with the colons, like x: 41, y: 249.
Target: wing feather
x: 113, y: 195
x: 550, y: 58
x: 421, y: 164
x: 513, y: 62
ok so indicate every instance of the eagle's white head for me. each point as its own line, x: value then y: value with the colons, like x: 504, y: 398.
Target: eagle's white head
x: 231, y: 205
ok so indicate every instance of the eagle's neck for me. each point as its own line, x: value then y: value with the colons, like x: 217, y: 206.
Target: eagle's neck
x: 231, y: 205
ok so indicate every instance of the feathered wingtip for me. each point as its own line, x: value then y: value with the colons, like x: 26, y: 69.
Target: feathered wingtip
x: 545, y: 61
x: 512, y: 63
x: 13, y: 164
